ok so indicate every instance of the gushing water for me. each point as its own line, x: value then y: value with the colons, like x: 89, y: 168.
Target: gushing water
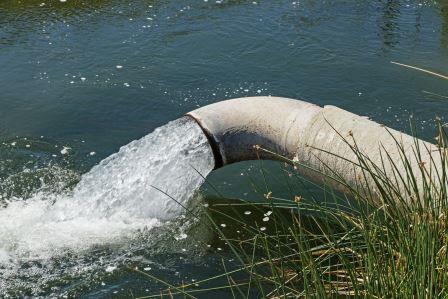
x: 124, y: 193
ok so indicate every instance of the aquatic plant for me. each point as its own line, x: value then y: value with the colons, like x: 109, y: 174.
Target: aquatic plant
x: 385, y: 237
x: 388, y: 241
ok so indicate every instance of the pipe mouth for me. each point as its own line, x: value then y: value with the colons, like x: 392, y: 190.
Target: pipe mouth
x: 234, y: 126
x: 219, y: 161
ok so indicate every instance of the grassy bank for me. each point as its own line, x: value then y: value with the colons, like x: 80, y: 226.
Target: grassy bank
x: 389, y: 242
x: 385, y: 238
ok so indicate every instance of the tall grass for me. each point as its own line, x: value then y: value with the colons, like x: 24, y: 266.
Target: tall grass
x: 390, y: 246
x: 386, y: 238
x: 388, y: 243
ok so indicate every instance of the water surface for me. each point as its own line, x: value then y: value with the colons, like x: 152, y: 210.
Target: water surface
x: 80, y: 79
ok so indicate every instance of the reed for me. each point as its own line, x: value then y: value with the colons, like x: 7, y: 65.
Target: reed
x: 321, y: 243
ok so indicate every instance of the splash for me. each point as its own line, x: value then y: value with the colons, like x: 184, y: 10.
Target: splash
x: 127, y: 192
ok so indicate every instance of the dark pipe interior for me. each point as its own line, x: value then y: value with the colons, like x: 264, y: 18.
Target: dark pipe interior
x: 213, y: 144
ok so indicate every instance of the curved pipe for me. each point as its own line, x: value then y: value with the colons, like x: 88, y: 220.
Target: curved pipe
x: 233, y: 127
x: 317, y: 137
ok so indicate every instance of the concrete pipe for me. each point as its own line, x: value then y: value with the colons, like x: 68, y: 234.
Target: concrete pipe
x: 315, y: 137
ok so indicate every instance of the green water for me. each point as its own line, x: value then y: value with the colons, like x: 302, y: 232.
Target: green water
x: 95, y: 75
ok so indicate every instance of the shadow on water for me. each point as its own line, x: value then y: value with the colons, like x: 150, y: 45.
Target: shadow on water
x: 444, y: 32
x: 388, y: 22
x: 19, y: 17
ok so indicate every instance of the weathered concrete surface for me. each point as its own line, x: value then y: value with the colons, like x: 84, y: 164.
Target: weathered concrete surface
x: 326, y: 144
x: 317, y: 138
x: 235, y: 126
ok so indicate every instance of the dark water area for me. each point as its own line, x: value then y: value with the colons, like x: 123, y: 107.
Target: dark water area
x: 80, y: 79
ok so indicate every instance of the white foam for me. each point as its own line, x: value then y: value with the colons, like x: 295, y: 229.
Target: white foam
x: 112, y: 201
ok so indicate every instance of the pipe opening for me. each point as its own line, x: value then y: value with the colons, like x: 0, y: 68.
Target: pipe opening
x: 219, y: 162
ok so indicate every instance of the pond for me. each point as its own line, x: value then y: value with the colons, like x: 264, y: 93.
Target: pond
x: 80, y: 79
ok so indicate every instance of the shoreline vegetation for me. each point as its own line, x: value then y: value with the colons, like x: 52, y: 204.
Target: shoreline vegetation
x: 333, y: 245
x: 389, y: 242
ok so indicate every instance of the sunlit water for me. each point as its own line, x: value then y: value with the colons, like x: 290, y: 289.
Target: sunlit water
x: 145, y: 184
x: 80, y: 79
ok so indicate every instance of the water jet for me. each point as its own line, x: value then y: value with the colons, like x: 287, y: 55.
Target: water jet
x: 131, y: 192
